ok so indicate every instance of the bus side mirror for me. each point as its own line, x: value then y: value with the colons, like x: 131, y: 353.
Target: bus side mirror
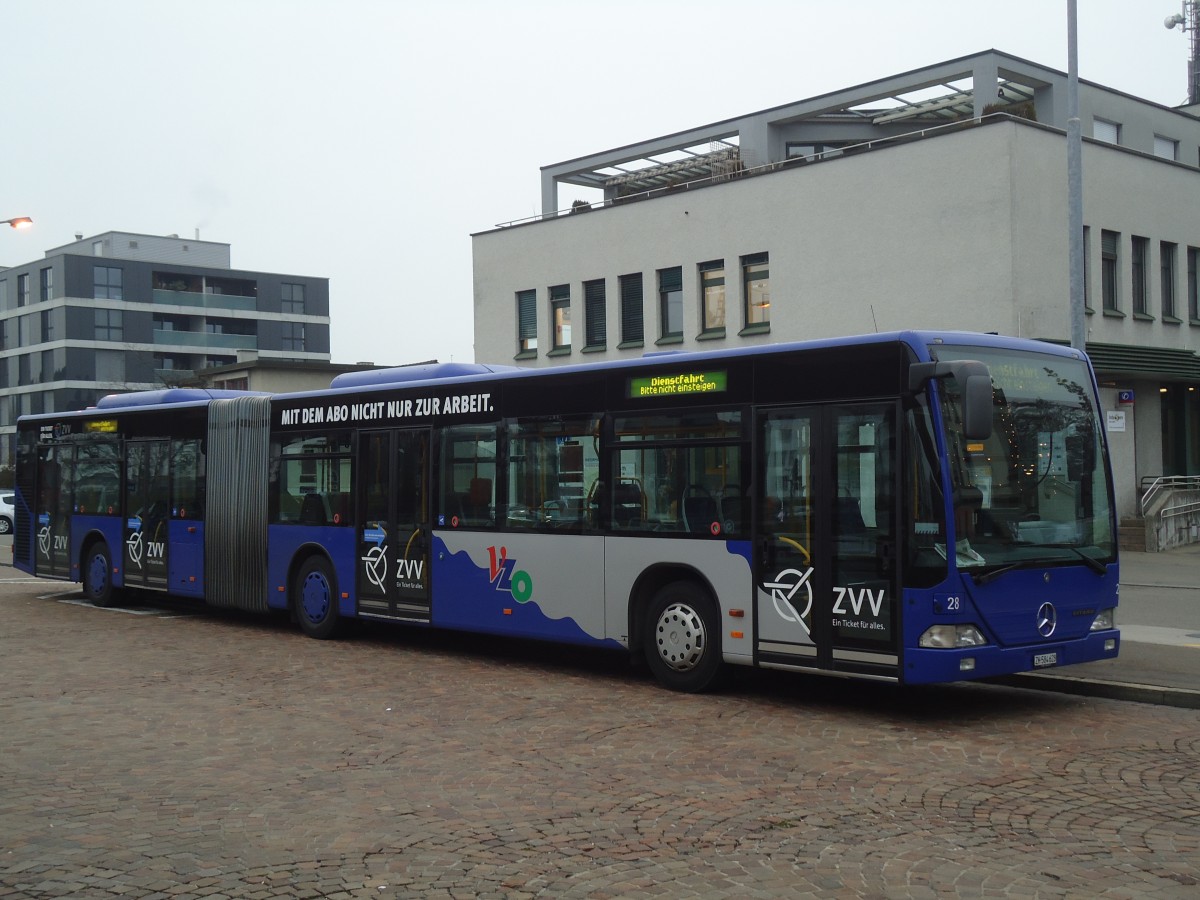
x: 976, y: 384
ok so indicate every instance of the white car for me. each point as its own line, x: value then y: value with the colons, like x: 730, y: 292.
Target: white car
x: 6, y: 513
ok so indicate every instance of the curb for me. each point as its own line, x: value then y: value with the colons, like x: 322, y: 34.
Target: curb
x: 1158, y: 695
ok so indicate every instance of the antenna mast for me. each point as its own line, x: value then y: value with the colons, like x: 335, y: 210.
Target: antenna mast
x: 1189, y: 22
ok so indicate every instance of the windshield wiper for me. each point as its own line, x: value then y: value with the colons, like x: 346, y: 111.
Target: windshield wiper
x: 1092, y: 563
x: 992, y: 574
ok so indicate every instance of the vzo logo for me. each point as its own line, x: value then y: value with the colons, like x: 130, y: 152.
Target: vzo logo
x: 505, y: 578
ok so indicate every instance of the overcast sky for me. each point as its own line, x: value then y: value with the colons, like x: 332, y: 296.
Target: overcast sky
x: 365, y: 140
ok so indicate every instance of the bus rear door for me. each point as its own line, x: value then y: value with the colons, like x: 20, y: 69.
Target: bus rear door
x: 827, y: 580
x: 393, y: 526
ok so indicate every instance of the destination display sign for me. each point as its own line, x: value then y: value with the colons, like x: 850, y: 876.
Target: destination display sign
x: 677, y: 385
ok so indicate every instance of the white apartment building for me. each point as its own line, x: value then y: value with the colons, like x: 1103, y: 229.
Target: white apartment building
x: 931, y: 199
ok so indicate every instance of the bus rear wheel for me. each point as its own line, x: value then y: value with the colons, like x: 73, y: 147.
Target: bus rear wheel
x: 314, y: 598
x: 97, y: 575
x: 682, y: 642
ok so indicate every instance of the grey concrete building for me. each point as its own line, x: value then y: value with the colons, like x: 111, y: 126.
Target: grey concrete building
x: 936, y: 198
x: 121, y: 311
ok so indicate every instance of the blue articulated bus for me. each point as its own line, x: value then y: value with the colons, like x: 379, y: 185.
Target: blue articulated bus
x: 912, y: 507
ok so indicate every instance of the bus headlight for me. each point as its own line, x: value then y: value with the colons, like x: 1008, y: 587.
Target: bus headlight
x: 1104, y: 619
x: 943, y: 637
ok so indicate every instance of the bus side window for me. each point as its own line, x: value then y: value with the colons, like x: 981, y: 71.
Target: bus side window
x: 467, y: 490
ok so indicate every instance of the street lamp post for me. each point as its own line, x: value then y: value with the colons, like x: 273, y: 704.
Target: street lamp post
x: 18, y: 222
x: 1078, y: 328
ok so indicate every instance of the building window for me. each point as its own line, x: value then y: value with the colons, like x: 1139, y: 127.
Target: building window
x: 560, y: 317
x: 47, y: 327
x: 1087, y: 250
x: 293, y: 335
x: 97, y: 248
x: 1166, y: 260
x: 1140, y: 266
x: 47, y: 284
x: 1166, y: 148
x: 632, y: 327
x: 594, y: 324
x: 1193, y: 289
x: 1108, y: 270
x: 1103, y: 130
x: 22, y: 290
x: 292, y: 302
x: 527, y: 323
x: 756, y: 289
x: 3, y: 293
x: 106, y: 283
x: 712, y: 298
x: 110, y: 366
x: 670, y: 299
x: 108, y: 325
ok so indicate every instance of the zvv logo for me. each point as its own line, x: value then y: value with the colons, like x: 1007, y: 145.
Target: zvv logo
x: 375, y: 562
x: 784, y: 590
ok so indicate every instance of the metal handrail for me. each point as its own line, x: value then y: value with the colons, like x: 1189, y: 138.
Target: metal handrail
x: 764, y: 168
x: 1182, y: 510
x: 1160, y: 483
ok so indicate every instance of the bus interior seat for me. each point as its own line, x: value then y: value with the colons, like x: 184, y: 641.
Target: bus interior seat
x: 699, y: 510
x: 627, y: 505
x: 732, y: 509
x: 849, y: 517
x: 312, y: 510
x: 479, y: 501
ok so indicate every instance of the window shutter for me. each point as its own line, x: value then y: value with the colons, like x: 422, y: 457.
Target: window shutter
x: 670, y: 279
x: 594, y: 325
x: 526, y: 314
x: 631, y: 308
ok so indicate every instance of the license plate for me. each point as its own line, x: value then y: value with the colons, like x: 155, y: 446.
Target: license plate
x: 1041, y: 660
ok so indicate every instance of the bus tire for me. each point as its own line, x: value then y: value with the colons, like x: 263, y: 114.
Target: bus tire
x: 97, y: 574
x: 682, y: 642
x: 314, y: 598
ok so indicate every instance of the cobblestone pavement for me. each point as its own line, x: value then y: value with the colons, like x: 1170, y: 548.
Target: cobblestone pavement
x: 208, y: 756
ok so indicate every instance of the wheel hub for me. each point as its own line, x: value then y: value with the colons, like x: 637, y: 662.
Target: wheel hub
x: 315, y: 597
x: 680, y: 637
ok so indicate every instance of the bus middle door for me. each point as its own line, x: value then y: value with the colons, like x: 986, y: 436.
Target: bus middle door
x: 393, y: 529
x: 147, y: 513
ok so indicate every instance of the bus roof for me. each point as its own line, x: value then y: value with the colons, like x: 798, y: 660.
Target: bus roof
x: 169, y: 397
x: 450, y: 373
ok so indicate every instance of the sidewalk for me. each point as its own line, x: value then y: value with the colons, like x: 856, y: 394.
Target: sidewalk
x: 1156, y: 664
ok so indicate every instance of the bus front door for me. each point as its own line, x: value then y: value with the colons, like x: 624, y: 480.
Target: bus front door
x: 393, y: 530
x: 52, y: 513
x: 827, y: 581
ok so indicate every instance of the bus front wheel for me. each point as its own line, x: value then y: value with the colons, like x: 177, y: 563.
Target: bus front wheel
x: 97, y: 575
x: 682, y: 642
x: 314, y: 598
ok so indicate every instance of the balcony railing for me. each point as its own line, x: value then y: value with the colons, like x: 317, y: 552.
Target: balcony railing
x: 207, y: 301
x: 206, y: 339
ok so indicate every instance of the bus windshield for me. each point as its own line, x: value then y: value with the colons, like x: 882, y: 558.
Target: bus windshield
x: 1037, y: 490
